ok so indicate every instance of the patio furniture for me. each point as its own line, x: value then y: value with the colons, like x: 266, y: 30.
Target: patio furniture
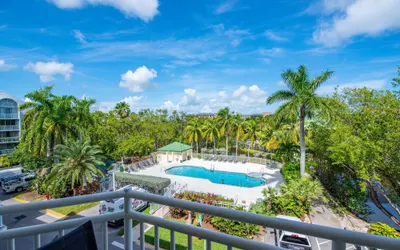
x: 244, y: 160
x: 225, y: 158
x: 81, y: 238
x: 236, y: 160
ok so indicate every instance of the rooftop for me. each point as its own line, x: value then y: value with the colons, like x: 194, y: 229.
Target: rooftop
x: 175, y: 147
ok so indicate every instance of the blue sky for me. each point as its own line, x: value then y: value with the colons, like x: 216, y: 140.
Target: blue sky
x: 194, y: 56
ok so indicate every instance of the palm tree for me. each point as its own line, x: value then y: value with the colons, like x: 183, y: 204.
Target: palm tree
x: 238, y: 125
x: 287, y: 150
x: 251, y: 129
x: 77, y: 164
x: 224, y: 117
x: 301, y: 101
x: 211, y: 131
x: 122, y: 109
x: 82, y: 114
x: 38, y: 108
x: 193, y: 131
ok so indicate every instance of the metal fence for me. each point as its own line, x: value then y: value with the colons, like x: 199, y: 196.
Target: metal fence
x: 170, y: 191
x: 339, y: 237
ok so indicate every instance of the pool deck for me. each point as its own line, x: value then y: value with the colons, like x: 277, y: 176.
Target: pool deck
x: 244, y: 195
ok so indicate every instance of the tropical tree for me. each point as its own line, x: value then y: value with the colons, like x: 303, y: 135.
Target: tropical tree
x: 193, y: 131
x: 301, y: 101
x: 251, y: 129
x: 287, y: 151
x: 122, y: 109
x: 77, y: 164
x: 211, y: 131
x: 82, y: 115
x: 383, y: 229
x: 224, y: 117
x: 238, y: 125
x: 396, y: 82
x: 38, y: 108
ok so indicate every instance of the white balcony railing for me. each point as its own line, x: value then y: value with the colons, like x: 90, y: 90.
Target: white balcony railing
x: 339, y: 237
x: 9, y: 139
x: 6, y: 151
x: 8, y: 116
x: 9, y: 127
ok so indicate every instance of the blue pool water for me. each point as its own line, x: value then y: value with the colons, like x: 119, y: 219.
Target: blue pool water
x: 220, y: 177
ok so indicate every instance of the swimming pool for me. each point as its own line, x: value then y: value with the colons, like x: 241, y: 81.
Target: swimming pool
x: 220, y: 177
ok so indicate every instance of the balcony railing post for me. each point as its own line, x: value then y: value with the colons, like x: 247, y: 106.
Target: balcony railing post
x: 127, y: 220
x: 105, y: 235
x: 36, y: 241
x: 338, y: 245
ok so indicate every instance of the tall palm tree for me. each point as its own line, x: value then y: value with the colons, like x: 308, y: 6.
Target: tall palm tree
x: 193, y: 131
x: 38, y: 108
x: 77, y: 164
x: 224, y: 117
x: 211, y: 131
x: 82, y: 114
x: 251, y: 129
x: 301, y: 101
x: 287, y: 150
x: 122, y: 109
x: 238, y: 125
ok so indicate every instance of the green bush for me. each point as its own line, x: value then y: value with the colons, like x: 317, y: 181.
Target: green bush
x: 151, y: 183
x: 234, y: 227
x: 291, y: 170
x: 383, y: 229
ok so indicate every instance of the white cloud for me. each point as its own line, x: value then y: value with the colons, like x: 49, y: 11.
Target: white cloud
x: 6, y: 67
x: 356, y: 18
x: 251, y: 98
x: 144, y: 9
x: 371, y: 84
x: 80, y: 37
x: 132, y: 101
x: 280, y: 83
x: 239, y: 91
x: 270, y: 52
x: 255, y: 91
x: 274, y: 36
x: 225, y: 6
x: 47, y: 70
x: 235, y: 35
x: 27, y: 100
x: 139, y: 80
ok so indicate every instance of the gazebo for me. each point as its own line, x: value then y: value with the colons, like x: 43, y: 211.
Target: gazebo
x: 174, y: 152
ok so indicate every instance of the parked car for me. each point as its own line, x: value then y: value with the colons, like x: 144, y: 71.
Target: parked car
x: 117, y: 205
x: 291, y: 240
x: 18, y: 183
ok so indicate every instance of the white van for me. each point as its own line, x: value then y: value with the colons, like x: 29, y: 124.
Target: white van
x: 18, y: 183
x: 117, y: 205
x: 291, y: 240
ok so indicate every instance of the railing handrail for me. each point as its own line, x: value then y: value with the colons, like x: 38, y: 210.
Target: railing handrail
x: 273, y: 222
x: 337, y: 235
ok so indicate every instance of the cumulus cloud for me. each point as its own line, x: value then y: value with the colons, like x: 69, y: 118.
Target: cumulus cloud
x: 371, y: 84
x: 143, y: 9
x: 132, y: 101
x: 239, y: 91
x: 225, y: 6
x: 139, y: 80
x: 357, y: 18
x: 274, y: 36
x: 47, y: 70
x: 80, y: 37
x: 248, y: 100
x: 5, y: 66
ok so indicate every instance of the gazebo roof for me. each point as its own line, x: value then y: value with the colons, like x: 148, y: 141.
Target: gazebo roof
x: 175, y: 147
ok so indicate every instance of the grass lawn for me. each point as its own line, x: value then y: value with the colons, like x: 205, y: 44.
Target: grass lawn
x: 74, y: 209
x: 180, y: 240
x: 134, y: 222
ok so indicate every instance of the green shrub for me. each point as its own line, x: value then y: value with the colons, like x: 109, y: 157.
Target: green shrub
x: 234, y: 227
x: 291, y: 170
x: 383, y: 229
x: 151, y: 183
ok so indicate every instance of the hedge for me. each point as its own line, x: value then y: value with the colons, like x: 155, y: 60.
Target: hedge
x: 151, y: 183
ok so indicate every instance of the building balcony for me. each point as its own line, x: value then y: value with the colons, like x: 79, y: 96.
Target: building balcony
x: 338, y: 237
x: 4, y: 140
x: 9, y: 127
x: 6, y: 151
x: 8, y: 115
